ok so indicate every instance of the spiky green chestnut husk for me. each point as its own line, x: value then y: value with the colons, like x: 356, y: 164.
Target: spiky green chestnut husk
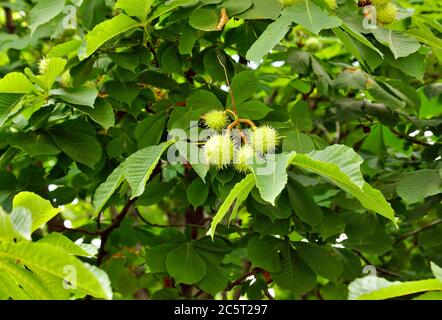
x: 66, y: 80
x: 215, y: 119
x: 313, y: 45
x: 218, y: 151
x: 264, y: 139
x: 43, y: 65
x: 380, y: 3
x: 386, y: 14
x: 243, y: 157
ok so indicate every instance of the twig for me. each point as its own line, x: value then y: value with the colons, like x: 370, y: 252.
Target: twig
x: 228, y: 84
x: 104, y: 234
x: 410, y: 139
x: 268, y: 295
x: 177, y: 225
x: 10, y: 26
x: 381, y: 270
x: 418, y: 230
x: 240, y: 280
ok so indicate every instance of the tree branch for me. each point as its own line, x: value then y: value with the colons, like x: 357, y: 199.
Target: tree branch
x: 418, y: 230
x: 104, y: 234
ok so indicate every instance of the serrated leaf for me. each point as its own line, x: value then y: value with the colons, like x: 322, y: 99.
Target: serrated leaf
x: 58, y: 240
x: 270, y: 38
x: 44, y: 11
x: 340, y: 164
x: 105, y: 31
x: 79, y: 146
x: 83, y: 96
x: 197, y: 192
x: 417, y: 185
x: 53, y: 260
x: 185, y: 264
x: 271, y: 176
x: 102, y: 113
x: 107, y: 188
x: 244, y: 85
x: 238, y: 195
x: 399, y: 43
x: 136, y: 8
x: 15, y: 82
x: 41, y: 209
x: 140, y: 165
x: 311, y: 17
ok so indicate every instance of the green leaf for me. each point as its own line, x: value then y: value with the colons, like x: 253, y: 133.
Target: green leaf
x: 238, y: 195
x: 136, y: 8
x: 53, y: 260
x: 21, y: 220
x: 105, y: 31
x: 264, y: 253
x: 311, y: 17
x: 185, y: 264
x: 203, y: 99
x: 215, y: 280
x: 340, y: 164
x: 34, y: 288
x: 303, y: 204
x: 271, y: 176
x: 270, y: 38
x: 253, y: 110
x: 295, y: 274
x: 325, y: 261
x: 15, y: 82
x: 156, y: 257
x: 58, y: 240
x: 79, y: 146
x: 107, y: 188
x: 7, y: 103
x: 34, y: 143
x: 7, y: 231
x: 150, y: 130
x: 300, y: 116
x: 437, y: 271
x: 197, y: 192
x: 169, y: 6
x: 83, y: 96
x: 366, y: 285
x: 244, y: 85
x: 205, y: 19
x: 102, y: 113
x: 140, y: 165
x: 298, y: 141
x: 403, y: 289
x: 40, y: 209
x: 44, y: 11
x: 67, y: 48
x: 399, y: 43
x: 188, y: 152
x: 417, y: 185
x: 262, y: 9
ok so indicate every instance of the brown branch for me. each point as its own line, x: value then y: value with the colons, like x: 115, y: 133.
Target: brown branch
x: 10, y: 26
x: 418, y: 230
x: 240, y: 280
x: 104, y: 234
x: 176, y: 225
x: 379, y: 269
x: 410, y: 139
x: 268, y: 295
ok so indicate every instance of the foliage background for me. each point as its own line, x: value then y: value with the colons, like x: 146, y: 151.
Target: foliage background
x: 76, y: 104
